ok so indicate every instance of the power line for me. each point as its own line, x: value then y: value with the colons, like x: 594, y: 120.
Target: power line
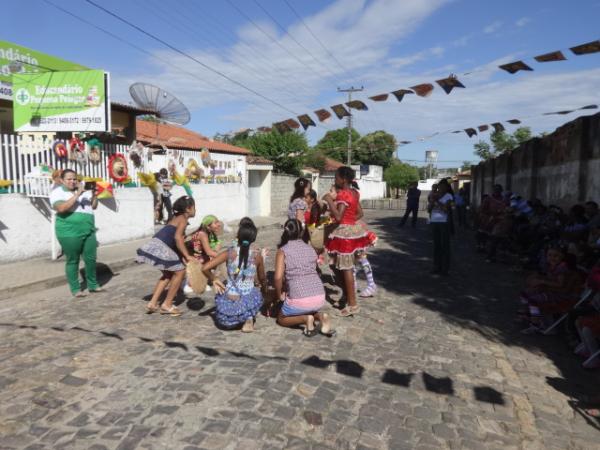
x: 315, y: 37
x: 196, y: 60
x: 281, y: 27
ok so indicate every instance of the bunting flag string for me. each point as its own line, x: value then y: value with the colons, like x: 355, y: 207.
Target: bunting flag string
x: 425, y: 89
x: 498, y: 126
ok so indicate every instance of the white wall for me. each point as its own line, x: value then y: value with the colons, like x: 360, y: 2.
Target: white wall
x: 231, y: 164
x: 25, y: 229
x: 370, y: 189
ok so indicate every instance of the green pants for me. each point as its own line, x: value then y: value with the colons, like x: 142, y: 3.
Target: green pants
x: 73, y: 248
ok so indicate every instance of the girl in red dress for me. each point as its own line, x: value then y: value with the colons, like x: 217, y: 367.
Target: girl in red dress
x: 349, y: 237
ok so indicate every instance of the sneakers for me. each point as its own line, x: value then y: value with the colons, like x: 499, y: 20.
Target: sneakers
x: 369, y: 291
x: 188, y: 291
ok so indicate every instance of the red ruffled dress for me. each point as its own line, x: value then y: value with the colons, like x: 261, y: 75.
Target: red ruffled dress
x: 349, y: 236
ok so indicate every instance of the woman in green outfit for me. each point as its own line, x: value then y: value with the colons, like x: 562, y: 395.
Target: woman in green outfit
x: 76, y: 229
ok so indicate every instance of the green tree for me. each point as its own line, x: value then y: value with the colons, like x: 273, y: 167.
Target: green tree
x: 335, y: 143
x: 316, y: 159
x: 375, y: 148
x: 285, y: 150
x: 466, y: 165
x: 399, y: 175
x: 501, y: 142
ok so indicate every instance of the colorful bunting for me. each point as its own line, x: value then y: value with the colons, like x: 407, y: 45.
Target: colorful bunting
x: 482, y: 128
x: 514, y: 121
x: 514, y: 67
x: 306, y: 121
x: 447, y: 84
x: 470, y: 132
x: 562, y: 113
x: 405, y: 142
x: 322, y: 115
x: 423, y: 90
x: 585, y: 49
x: 399, y: 94
x: 498, y: 127
x: 457, y: 131
x: 379, y: 98
x: 282, y: 127
x: 589, y: 107
x: 357, y: 104
x: 340, y: 111
x: 549, y: 57
x: 292, y: 123
x: 264, y: 129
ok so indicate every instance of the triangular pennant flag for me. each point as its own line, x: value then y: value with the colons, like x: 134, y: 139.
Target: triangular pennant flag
x: 306, y: 121
x: 357, y: 104
x: 470, y: 132
x: 292, y: 123
x: 340, y: 111
x: 457, y: 131
x: 562, y: 113
x: 589, y: 107
x: 514, y: 67
x: 585, y: 49
x: 405, y: 142
x: 423, y: 90
x: 514, y: 121
x: 264, y: 129
x: 498, y: 127
x: 379, y: 98
x: 482, y: 128
x: 447, y: 84
x: 322, y: 115
x: 400, y: 93
x: 282, y: 127
x: 552, y: 56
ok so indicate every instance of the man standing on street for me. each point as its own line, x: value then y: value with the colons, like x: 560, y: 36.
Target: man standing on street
x: 412, y: 205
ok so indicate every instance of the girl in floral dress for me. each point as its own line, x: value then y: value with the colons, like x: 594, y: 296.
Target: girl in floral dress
x: 240, y: 301
x: 348, y: 238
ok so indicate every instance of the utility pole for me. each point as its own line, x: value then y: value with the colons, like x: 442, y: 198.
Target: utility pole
x: 349, y: 120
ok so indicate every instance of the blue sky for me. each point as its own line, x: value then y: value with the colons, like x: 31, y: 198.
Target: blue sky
x: 382, y: 45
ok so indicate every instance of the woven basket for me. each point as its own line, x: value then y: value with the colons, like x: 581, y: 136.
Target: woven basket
x: 317, y: 237
x: 196, y: 278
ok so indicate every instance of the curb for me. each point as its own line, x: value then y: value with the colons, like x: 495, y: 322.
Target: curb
x: 102, y: 269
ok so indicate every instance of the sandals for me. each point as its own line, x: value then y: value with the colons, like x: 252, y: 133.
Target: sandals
x: 309, y: 333
x: 369, y: 291
x: 329, y: 334
x: 349, y: 311
x: 172, y: 311
x: 79, y: 294
x: 151, y: 309
x: 98, y: 290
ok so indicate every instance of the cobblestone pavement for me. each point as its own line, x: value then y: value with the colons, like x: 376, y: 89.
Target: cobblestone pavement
x: 427, y: 364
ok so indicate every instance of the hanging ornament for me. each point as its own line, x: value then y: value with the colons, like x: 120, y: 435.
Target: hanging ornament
x: 357, y: 104
x: 323, y: 115
x: 104, y: 189
x: 514, y: 67
x: 447, y: 84
x: 205, y: 157
x: 306, y: 121
x: 76, y: 146
x: 423, y: 90
x: 340, y: 111
x: 94, y: 152
x: 400, y: 93
x: 60, y: 149
x: 117, y: 167
x: 379, y: 98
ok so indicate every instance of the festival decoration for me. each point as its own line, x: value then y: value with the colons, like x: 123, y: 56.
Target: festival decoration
x: 292, y: 123
x: 340, y: 111
x: 423, y: 90
x: 205, y: 157
x: 5, y: 183
x: 149, y: 180
x: 357, y: 104
x: 447, y: 84
x: 470, y: 132
x: 264, y: 129
x: 400, y: 93
x: 323, y: 115
x: 182, y: 180
x: 136, y: 152
x: 498, y: 127
x: 482, y: 128
x: 95, y: 147
x: 306, y: 121
x: 76, y: 146
x: 117, y: 167
x: 549, y: 57
x: 585, y: 49
x: 60, y: 149
x: 104, y: 189
x: 514, y: 121
x: 194, y: 170
x: 379, y: 98
x: 514, y: 67
x: 282, y: 127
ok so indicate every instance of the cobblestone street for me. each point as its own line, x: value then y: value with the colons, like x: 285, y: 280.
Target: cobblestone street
x: 427, y: 364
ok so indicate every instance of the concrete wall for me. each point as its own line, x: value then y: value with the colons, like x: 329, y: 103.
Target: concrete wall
x: 25, y: 224
x: 561, y: 168
x: 369, y: 189
x: 282, y: 188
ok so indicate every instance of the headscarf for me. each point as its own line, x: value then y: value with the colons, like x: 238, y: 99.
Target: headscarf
x: 213, y: 240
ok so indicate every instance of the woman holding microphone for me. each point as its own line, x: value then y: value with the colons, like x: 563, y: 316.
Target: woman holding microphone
x: 76, y: 229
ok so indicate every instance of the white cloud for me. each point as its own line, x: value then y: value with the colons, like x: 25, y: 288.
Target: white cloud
x: 522, y: 21
x: 493, y: 27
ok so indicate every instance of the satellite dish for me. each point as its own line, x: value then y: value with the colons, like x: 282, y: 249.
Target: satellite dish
x: 165, y: 105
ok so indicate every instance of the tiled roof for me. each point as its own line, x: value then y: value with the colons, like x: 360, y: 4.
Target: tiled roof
x: 255, y: 159
x: 173, y: 136
x: 130, y: 108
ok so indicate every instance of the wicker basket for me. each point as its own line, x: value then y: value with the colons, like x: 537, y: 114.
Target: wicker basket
x: 317, y: 237
x: 196, y: 278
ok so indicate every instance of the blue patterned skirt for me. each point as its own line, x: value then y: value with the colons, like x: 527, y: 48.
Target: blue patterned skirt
x: 231, y: 313
x: 158, y: 254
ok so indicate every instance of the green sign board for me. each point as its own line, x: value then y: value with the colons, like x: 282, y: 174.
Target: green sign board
x: 15, y: 59
x: 61, y: 101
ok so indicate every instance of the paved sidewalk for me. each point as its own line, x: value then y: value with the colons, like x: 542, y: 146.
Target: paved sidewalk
x: 427, y: 364
x: 43, y: 273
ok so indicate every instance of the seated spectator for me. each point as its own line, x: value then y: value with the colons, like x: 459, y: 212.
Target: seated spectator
x: 561, y: 282
x: 592, y: 214
x: 576, y: 228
